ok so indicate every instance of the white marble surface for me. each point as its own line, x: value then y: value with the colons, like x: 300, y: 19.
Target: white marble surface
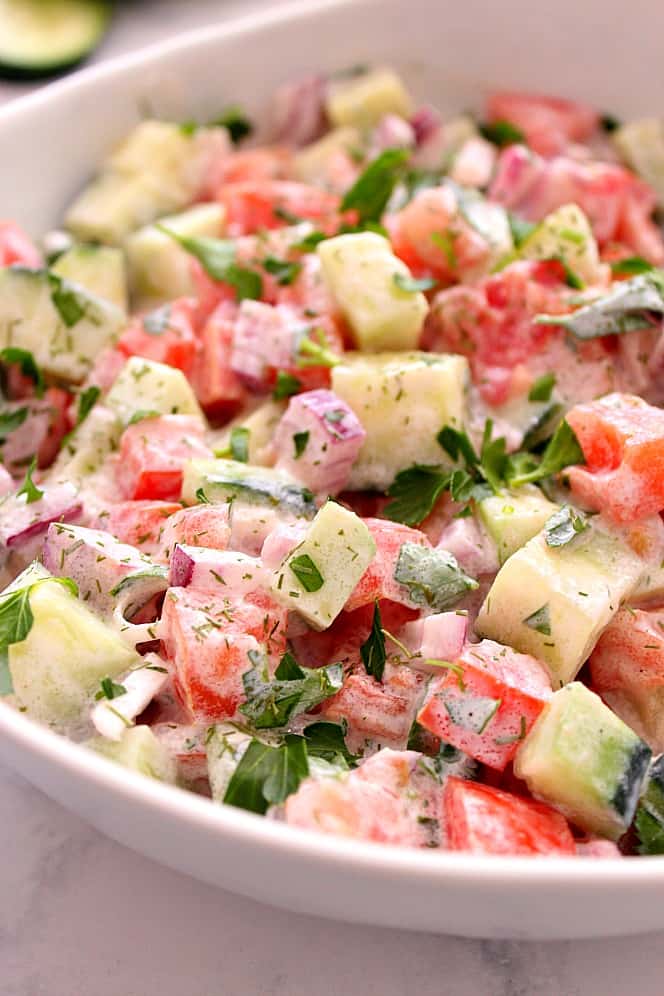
x: 82, y: 916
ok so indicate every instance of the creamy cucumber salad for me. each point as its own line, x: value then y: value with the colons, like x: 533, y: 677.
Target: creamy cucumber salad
x: 333, y: 468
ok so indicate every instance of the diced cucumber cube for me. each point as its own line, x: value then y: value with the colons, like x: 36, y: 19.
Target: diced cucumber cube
x: 565, y: 234
x: 317, y: 577
x: 158, y: 169
x: 223, y: 480
x: 403, y: 400
x: 60, y: 323
x: 514, y: 518
x: 365, y: 278
x: 67, y: 652
x: 100, y: 269
x: 363, y: 100
x: 144, y: 385
x: 87, y: 447
x: 310, y: 162
x: 139, y: 750
x: 582, y: 759
x: 553, y: 602
x: 260, y: 425
x: 641, y: 143
x: 159, y: 268
x: 649, y: 820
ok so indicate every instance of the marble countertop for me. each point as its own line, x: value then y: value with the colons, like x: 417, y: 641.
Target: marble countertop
x: 82, y: 916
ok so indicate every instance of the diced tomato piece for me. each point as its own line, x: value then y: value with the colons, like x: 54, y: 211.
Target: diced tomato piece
x: 378, y: 580
x: 16, y: 247
x: 627, y: 670
x: 253, y: 205
x: 390, y: 799
x: 486, y: 820
x: 617, y: 203
x: 432, y: 235
x: 549, y: 124
x: 207, y: 640
x: 139, y: 523
x: 201, y: 525
x: 488, y: 709
x: 106, y: 368
x: 493, y: 322
x: 58, y: 401
x: 268, y: 162
x: 622, y: 438
x: 167, y: 336
x: 383, y: 711
x: 217, y: 386
x: 153, y: 452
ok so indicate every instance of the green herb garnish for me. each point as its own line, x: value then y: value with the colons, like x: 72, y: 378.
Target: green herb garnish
x: 564, y: 525
x: 29, y: 488
x: 372, y: 650
x: 543, y: 387
x: 502, y: 133
x: 433, y: 577
x: 373, y: 188
x: 28, y: 365
x: 540, y: 620
x: 217, y: 257
x: 306, y: 572
x: 109, y: 690
x: 240, y: 444
x: 267, y: 775
x: 415, y: 492
x: 300, y: 440
x: 412, y: 285
x: 283, y: 270
x: 286, y: 385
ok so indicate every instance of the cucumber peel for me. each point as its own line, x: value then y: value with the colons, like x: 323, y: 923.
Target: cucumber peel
x: 43, y: 37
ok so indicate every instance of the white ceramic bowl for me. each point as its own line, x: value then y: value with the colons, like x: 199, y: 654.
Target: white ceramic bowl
x: 49, y: 144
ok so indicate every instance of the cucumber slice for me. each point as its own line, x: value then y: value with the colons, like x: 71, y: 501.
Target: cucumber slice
x: 582, y: 759
x: 43, y: 37
x: 230, y: 481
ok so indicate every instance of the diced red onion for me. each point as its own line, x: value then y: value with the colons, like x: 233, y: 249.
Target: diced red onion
x: 225, y: 572
x: 474, y: 550
x: 97, y: 562
x: 298, y: 110
x: 279, y: 543
x: 251, y: 524
x: 264, y: 337
x: 327, y: 453
x: 440, y: 637
x: 6, y: 481
x: 392, y: 132
x: 20, y: 521
x: 28, y: 437
x: 474, y: 163
x: 425, y: 122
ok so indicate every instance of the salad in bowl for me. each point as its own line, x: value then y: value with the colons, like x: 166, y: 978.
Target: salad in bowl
x: 333, y: 468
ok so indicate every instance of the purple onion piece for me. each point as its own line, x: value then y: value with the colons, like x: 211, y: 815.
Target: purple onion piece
x: 425, y: 122
x: 298, y: 111
x: 318, y: 440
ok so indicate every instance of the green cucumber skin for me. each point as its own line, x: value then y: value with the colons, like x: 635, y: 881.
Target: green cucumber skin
x: 626, y: 796
x: 24, y: 70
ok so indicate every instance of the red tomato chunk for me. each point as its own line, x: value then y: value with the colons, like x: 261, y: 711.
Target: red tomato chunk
x: 488, y: 710
x: 622, y: 438
x: 487, y: 820
x: 153, y: 452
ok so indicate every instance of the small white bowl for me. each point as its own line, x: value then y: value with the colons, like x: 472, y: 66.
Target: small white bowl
x: 50, y: 143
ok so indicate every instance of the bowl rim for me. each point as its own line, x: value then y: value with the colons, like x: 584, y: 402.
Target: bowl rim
x: 185, y: 806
